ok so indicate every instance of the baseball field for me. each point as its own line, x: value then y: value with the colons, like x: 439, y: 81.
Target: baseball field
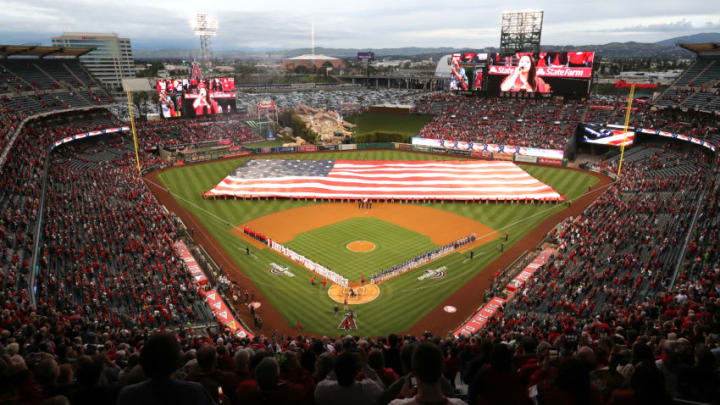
x: 358, y: 242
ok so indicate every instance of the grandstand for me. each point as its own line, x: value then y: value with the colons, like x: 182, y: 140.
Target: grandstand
x: 90, y: 270
x: 698, y: 87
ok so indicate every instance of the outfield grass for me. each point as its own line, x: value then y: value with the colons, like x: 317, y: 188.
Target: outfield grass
x: 403, y: 300
x: 393, y: 245
x: 407, y: 124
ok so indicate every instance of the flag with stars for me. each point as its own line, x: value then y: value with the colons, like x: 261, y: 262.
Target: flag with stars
x: 411, y: 180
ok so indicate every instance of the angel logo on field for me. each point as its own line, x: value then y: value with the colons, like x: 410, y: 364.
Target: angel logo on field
x: 348, y: 321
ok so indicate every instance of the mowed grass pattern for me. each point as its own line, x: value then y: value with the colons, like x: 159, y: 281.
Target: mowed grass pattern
x: 393, y: 245
x: 403, y: 300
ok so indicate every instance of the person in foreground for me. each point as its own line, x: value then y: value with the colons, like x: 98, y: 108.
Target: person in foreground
x: 159, y: 359
x: 427, y: 366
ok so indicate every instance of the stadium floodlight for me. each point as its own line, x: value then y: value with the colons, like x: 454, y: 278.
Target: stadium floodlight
x: 205, y: 26
x: 521, y: 31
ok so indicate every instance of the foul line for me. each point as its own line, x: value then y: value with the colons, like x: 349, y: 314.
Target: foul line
x: 227, y: 223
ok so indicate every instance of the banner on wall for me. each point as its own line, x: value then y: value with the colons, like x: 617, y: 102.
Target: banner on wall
x: 90, y: 134
x: 487, y: 311
x: 480, y: 147
x: 213, y: 299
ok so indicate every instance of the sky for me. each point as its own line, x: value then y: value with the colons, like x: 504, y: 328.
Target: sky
x: 372, y: 24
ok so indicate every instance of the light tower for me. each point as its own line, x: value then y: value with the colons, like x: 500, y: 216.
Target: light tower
x: 205, y: 26
x: 521, y: 31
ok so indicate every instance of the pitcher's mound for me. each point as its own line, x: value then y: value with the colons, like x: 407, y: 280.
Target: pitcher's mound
x: 360, y: 246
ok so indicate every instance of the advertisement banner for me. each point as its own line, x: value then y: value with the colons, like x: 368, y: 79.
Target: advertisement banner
x: 541, y: 153
x: 239, y: 154
x: 346, y: 146
x: 427, y: 142
x: 90, y: 134
x: 190, y: 264
x: 522, y: 278
x: 420, y: 148
x: 224, y: 315
x: 503, y: 156
x: 329, y: 147
x: 546, y: 161
x: 287, y: 149
x: 307, y: 148
x: 481, y: 317
x: 686, y: 138
x: 403, y: 146
x: 460, y: 152
x: 483, y: 154
x: 439, y: 150
x: 526, y: 159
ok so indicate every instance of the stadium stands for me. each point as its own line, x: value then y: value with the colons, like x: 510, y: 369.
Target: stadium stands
x: 697, y: 87
x: 602, y: 322
x: 520, y: 122
x: 181, y: 132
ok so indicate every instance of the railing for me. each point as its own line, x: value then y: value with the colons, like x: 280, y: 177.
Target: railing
x: 37, y: 232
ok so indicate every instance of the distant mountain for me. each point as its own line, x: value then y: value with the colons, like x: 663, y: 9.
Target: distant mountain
x: 690, y: 39
x: 666, y: 48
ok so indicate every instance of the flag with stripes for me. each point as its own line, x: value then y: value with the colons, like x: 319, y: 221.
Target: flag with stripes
x: 411, y: 180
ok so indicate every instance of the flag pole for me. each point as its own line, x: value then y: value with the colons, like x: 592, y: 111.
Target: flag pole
x: 132, y: 124
x: 627, y: 121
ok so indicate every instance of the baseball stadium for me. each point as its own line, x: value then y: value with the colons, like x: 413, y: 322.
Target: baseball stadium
x: 502, y: 227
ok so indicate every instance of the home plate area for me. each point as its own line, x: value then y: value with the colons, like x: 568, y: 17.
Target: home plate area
x: 354, y: 294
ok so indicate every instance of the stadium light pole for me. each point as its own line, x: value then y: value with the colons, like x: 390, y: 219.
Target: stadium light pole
x: 627, y: 121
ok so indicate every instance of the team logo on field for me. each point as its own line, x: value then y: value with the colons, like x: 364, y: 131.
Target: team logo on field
x: 434, y: 274
x: 278, y: 270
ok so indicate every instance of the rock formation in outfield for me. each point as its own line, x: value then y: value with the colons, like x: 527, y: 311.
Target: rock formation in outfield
x: 329, y: 125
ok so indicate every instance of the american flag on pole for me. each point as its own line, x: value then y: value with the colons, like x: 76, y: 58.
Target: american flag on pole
x: 356, y: 179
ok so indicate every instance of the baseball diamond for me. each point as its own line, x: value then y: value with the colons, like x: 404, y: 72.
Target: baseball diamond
x: 514, y: 223
x: 293, y: 298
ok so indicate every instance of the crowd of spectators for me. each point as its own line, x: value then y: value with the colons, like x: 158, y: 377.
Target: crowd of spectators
x: 117, y: 317
x: 549, y: 123
x: 542, y: 123
x: 180, y: 132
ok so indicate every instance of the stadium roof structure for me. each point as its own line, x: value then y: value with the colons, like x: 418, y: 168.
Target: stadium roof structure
x: 701, y: 48
x: 313, y: 57
x: 41, y: 51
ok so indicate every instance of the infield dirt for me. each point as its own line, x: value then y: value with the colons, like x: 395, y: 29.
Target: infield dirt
x: 441, y: 226
x: 466, y: 299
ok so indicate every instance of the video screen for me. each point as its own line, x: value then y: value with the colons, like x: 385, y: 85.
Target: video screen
x: 458, y: 74
x: 466, y: 71
x: 194, y: 98
x: 609, y: 135
x: 539, y: 72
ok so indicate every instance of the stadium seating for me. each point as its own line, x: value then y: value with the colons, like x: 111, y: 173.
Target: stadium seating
x: 179, y: 132
x: 520, y: 122
x: 696, y: 87
x: 598, y: 324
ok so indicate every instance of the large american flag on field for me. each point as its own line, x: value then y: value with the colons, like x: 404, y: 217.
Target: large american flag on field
x: 357, y: 179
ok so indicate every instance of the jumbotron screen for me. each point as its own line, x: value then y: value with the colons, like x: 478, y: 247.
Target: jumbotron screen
x: 544, y: 72
x: 466, y: 71
x: 194, y: 98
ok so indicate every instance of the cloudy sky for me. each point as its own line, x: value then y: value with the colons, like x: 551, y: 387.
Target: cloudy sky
x: 353, y: 24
